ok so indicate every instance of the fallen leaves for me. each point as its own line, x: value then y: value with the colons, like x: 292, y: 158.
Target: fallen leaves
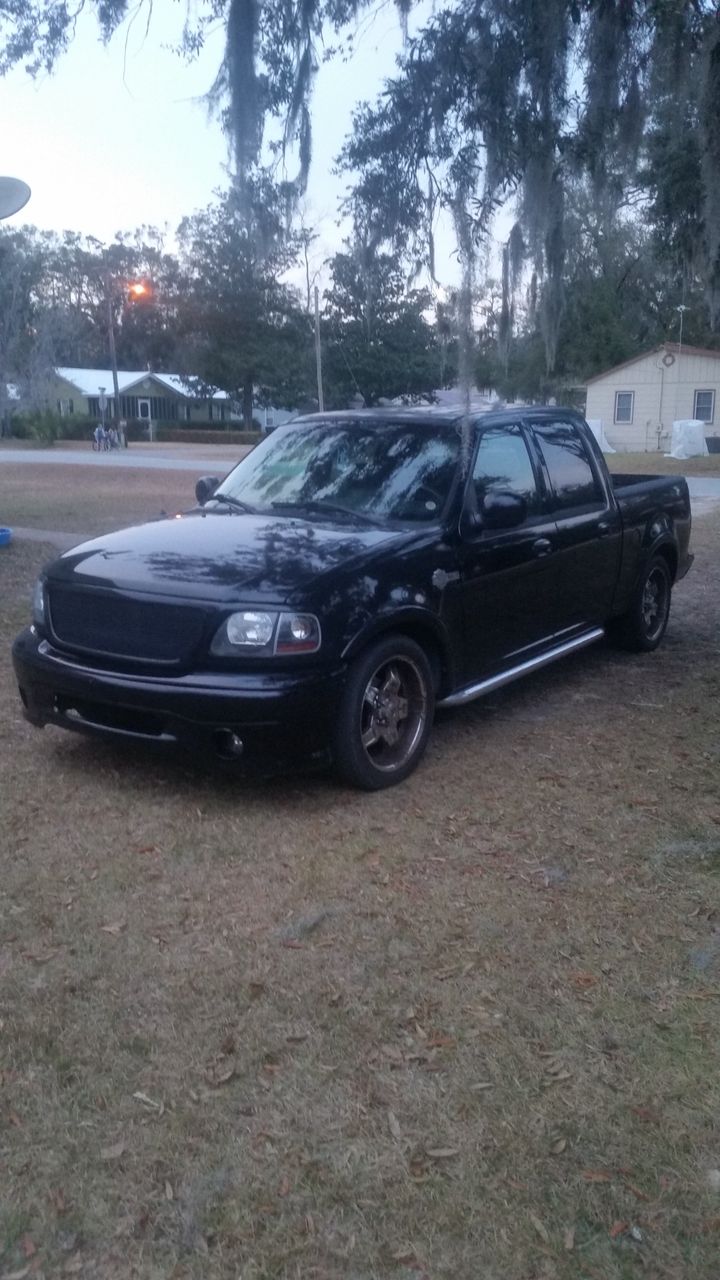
x: 442, y: 1153
x: 596, y: 1175
x: 219, y: 1072
x: 150, y: 1103
x: 554, y: 1070
x: 114, y: 929
x: 394, y: 1125
x: 114, y: 1151
x: 540, y: 1228
x: 569, y: 1239
x: 28, y: 1248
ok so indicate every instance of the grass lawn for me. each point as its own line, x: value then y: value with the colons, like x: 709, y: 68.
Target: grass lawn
x: 466, y: 1028
x: 89, y: 499
x: 657, y: 464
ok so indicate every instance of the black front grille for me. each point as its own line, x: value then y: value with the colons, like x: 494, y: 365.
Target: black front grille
x: 134, y: 629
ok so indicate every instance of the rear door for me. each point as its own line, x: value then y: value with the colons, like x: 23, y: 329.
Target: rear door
x: 507, y: 576
x: 588, y: 536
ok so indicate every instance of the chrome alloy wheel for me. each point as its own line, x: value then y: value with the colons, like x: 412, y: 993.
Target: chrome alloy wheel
x: 654, y: 604
x: 393, y: 713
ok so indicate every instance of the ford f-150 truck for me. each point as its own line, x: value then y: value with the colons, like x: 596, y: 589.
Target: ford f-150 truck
x: 351, y: 574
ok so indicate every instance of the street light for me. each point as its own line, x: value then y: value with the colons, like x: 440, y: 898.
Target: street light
x: 136, y: 289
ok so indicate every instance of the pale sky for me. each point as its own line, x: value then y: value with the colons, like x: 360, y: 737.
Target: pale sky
x: 119, y: 136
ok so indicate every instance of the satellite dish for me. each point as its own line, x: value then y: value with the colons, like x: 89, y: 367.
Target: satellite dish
x: 14, y: 195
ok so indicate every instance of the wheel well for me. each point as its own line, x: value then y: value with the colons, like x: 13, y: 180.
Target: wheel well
x: 669, y: 555
x: 428, y: 640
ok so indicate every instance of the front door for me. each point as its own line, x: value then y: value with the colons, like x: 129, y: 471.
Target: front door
x: 507, y: 575
x: 144, y: 409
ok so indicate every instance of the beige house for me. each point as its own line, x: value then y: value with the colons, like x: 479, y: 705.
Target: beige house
x: 638, y: 401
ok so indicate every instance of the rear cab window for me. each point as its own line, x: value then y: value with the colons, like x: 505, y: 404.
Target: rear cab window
x: 571, y: 471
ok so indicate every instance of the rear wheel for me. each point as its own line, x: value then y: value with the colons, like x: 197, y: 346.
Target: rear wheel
x: 643, y: 626
x: 385, y: 714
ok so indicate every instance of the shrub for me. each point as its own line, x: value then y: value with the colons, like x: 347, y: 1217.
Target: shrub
x: 182, y: 435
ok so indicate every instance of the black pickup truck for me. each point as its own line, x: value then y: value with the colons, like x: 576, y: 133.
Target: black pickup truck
x: 351, y: 574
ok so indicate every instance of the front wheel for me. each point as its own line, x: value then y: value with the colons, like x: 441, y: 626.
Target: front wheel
x: 643, y: 626
x: 385, y: 714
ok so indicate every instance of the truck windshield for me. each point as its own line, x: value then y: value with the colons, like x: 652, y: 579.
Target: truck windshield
x: 379, y: 470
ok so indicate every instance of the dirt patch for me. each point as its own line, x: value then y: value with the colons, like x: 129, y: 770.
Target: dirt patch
x: 286, y: 1030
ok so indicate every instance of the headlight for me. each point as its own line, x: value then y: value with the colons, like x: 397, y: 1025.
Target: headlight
x: 250, y: 628
x: 38, y: 603
x: 263, y: 633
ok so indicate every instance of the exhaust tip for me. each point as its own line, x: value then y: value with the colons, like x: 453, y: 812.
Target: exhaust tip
x: 228, y: 744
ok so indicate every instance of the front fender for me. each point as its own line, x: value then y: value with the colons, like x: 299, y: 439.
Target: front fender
x: 415, y: 621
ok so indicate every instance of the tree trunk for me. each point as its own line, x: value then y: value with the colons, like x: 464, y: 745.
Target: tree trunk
x: 248, y: 405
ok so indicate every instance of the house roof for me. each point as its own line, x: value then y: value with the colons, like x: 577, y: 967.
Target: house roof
x: 672, y: 348
x: 89, y: 381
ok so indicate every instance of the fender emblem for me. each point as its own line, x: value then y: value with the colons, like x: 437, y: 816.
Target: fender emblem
x: 441, y: 578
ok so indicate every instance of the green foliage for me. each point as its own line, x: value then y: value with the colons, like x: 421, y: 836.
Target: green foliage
x: 244, y: 330
x: 44, y: 425
x: 377, y: 340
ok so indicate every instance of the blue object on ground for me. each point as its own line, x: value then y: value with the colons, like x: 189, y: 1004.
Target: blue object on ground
x: 5, y: 536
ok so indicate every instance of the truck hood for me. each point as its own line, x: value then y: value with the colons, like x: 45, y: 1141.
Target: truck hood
x: 217, y: 556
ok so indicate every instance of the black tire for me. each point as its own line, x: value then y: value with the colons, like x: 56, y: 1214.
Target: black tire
x: 385, y: 715
x: 642, y: 628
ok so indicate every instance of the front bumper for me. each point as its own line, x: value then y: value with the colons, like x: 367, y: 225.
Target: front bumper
x: 258, y: 719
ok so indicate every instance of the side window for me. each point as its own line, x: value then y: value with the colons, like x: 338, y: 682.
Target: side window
x: 573, y: 480
x: 503, y: 465
x: 624, y: 406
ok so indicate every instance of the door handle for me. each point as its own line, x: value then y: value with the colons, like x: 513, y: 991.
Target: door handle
x: 542, y: 547
x: 603, y: 529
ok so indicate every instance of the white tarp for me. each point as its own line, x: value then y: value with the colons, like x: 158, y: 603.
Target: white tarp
x: 688, y: 439
x: 598, y: 430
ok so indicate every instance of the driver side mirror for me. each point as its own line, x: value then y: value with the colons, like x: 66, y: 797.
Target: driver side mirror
x: 205, y: 488
x: 499, y: 509
x: 503, y: 510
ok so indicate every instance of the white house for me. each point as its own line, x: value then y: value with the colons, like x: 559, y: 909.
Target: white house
x: 638, y: 401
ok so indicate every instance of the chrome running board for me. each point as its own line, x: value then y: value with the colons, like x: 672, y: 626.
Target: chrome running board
x: 472, y: 691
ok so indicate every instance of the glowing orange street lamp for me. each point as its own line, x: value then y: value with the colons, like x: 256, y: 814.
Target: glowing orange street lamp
x: 138, y: 289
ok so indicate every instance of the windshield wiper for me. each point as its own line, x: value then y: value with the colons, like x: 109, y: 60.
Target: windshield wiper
x: 332, y: 508
x: 230, y: 501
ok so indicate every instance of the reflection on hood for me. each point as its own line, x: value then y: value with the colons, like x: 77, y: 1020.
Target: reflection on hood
x: 218, y: 555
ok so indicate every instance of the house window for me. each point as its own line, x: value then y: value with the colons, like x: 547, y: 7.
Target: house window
x: 71, y: 406
x: 624, y: 405
x: 210, y: 410
x: 188, y: 413
x: 704, y: 406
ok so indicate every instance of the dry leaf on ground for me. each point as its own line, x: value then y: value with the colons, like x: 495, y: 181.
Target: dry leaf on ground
x: 114, y: 1151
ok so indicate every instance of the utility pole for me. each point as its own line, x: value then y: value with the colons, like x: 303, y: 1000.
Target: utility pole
x: 113, y: 352
x: 681, y: 310
x: 318, y: 353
